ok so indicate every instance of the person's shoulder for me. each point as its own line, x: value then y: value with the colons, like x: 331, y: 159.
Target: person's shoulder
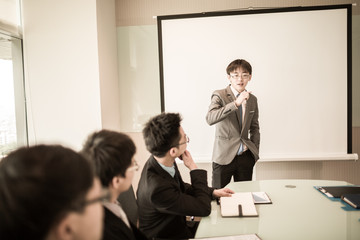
x: 109, y: 216
x: 115, y: 228
x: 220, y: 92
x: 149, y: 166
x: 156, y: 188
x: 150, y: 180
x: 253, y: 97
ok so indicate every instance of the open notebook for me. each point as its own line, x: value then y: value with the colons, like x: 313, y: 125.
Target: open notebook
x: 239, y: 204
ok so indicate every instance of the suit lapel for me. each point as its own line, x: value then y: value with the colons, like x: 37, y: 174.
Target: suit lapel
x: 232, y: 98
x: 162, y: 172
x: 249, y: 104
x: 114, y: 224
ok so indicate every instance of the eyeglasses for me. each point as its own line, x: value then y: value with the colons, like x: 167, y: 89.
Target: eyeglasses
x: 244, y: 76
x: 186, y: 141
x: 105, y: 196
x: 134, y: 167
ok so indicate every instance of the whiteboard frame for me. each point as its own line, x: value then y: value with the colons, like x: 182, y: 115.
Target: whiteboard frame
x: 269, y: 11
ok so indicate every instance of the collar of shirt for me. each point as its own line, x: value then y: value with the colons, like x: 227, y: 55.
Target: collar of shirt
x: 116, y: 209
x: 235, y: 94
x: 170, y: 170
x: 234, y: 91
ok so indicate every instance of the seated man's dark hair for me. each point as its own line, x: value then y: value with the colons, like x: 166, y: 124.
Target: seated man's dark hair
x: 161, y: 133
x: 111, y: 152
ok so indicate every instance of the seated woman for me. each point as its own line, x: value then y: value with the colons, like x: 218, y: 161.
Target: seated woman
x: 49, y: 192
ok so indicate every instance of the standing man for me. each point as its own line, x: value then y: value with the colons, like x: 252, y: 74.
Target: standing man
x: 164, y: 200
x: 235, y: 112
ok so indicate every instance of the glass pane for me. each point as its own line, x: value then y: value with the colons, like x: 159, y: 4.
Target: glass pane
x: 12, y: 104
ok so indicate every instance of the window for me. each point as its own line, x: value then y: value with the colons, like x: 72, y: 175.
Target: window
x: 13, y: 131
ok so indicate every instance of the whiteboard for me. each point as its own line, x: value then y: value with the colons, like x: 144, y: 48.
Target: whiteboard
x: 301, y: 65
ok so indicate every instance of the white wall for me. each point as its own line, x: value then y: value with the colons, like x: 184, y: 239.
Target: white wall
x: 62, y: 71
x: 138, y: 64
x: 108, y: 64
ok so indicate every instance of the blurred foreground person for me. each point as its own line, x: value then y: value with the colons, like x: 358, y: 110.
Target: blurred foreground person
x: 49, y: 192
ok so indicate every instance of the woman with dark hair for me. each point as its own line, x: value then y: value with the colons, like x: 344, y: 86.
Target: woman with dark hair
x: 49, y: 192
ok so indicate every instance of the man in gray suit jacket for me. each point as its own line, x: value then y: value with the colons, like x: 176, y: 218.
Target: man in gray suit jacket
x: 235, y: 112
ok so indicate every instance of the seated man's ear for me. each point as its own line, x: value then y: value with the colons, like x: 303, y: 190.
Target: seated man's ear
x: 117, y: 181
x: 65, y: 229
x: 174, y: 152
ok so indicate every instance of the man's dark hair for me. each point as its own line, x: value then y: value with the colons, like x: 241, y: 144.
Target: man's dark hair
x: 111, y: 153
x: 239, y: 63
x: 161, y: 133
x: 39, y: 185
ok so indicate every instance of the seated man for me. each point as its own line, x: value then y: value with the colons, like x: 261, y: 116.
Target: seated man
x: 113, y: 156
x: 49, y: 192
x: 164, y: 200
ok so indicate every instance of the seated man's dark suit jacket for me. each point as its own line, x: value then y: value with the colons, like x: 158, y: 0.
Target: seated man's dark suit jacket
x: 116, y: 229
x: 164, y: 201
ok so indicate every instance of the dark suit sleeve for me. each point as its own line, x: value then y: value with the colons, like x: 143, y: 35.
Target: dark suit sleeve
x: 189, y: 188
x: 168, y: 198
x: 218, y: 109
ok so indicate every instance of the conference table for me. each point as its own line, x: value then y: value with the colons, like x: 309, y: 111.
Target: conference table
x: 298, y: 211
